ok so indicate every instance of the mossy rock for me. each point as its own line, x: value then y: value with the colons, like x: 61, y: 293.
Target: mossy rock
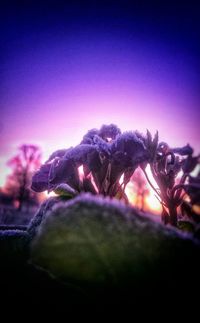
x: 98, y: 243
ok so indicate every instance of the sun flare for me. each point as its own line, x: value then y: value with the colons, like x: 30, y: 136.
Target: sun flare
x: 152, y: 203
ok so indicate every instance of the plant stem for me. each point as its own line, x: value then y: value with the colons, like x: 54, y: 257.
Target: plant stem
x: 172, y: 215
x: 148, y: 180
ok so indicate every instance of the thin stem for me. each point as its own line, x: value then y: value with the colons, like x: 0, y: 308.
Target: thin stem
x: 177, y: 187
x: 173, y: 215
x: 178, y: 192
x: 153, y: 171
x: 148, y: 180
x: 162, y: 203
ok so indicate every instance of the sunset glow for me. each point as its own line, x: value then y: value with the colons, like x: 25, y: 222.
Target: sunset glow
x: 152, y: 203
x: 86, y: 67
x: 99, y: 158
x: 75, y: 79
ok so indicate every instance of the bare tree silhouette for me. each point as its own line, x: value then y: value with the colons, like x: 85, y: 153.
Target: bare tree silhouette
x: 140, y: 188
x: 27, y: 160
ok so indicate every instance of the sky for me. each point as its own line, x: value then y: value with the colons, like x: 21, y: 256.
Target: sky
x: 66, y: 67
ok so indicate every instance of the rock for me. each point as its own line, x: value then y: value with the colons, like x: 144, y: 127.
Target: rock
x: 106, y: 248
x: 40, y: 215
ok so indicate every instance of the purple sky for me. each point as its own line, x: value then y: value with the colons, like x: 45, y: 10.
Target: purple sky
x: 61, y: 80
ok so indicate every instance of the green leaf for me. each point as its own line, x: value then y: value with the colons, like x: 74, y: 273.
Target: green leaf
x: 65, y: 190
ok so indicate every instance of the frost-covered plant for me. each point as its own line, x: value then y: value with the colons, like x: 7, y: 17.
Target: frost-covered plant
x: 105, y: 155
x: 171, y: 169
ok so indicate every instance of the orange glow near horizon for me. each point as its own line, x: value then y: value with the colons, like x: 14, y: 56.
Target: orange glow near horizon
x: 151, y: 203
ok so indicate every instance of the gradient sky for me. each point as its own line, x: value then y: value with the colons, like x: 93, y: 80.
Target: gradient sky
x: 66, y: 68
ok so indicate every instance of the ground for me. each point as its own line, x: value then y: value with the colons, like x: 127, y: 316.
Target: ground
x: 153, y: 265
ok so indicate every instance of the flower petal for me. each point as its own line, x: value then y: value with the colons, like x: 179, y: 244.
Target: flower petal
x: 58, y: 153
x: 40, y: 179
x: 186, y: 150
